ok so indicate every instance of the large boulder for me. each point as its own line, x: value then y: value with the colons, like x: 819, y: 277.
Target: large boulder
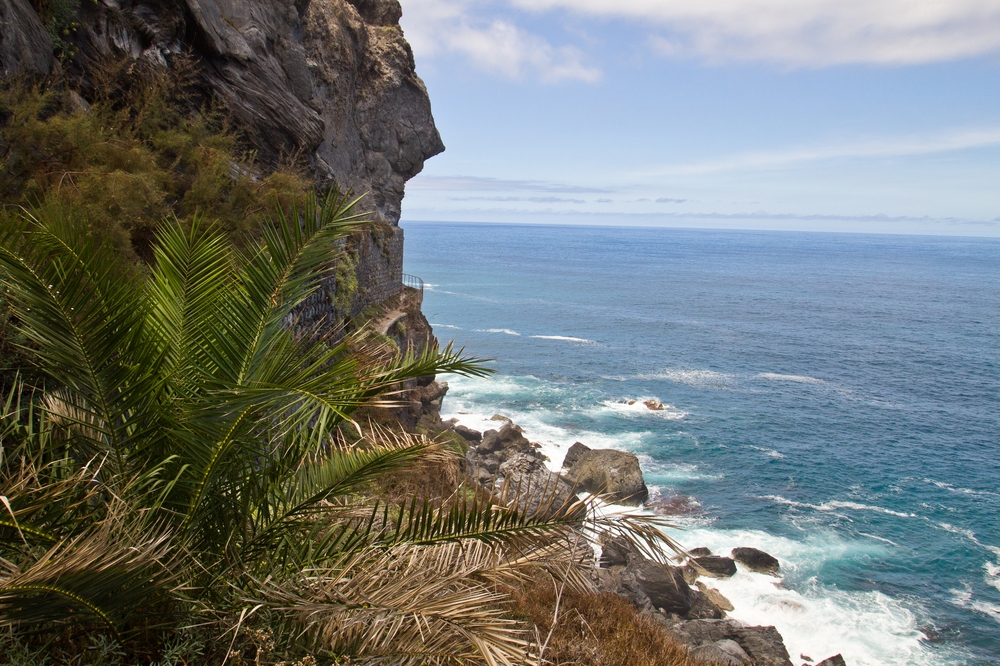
x: 757, y: 560
x: 714, y: 566
x: 726, y: 651
x: 524, y: 480
x: 615, y: 474
x: 509, y: 440
x: 764, y: 645
x: 468, y: 434
x: 574, y: 454
x: 657, y: 586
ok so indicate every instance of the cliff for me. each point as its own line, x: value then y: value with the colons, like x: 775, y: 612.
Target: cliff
x: 325, y: 83
x: 331, y: 81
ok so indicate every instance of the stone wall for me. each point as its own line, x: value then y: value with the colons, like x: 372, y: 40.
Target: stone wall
x: 379, y: 268
x: 370, y: 273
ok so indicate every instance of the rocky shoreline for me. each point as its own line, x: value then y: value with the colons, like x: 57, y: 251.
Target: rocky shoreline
x: 679, y: 596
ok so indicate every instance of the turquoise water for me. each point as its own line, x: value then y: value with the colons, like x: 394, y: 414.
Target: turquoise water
x: 833, y: 399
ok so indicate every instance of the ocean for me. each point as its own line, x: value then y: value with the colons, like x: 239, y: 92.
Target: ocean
x: 833, y: 399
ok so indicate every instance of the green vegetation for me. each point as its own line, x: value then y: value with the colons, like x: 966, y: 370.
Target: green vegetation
x: 135, y: 155
x: 195, y: 491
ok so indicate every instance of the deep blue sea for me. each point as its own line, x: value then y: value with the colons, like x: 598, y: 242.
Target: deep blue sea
x: 833, y: 399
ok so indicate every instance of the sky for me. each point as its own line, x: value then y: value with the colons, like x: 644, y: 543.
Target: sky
x: 875, y: 116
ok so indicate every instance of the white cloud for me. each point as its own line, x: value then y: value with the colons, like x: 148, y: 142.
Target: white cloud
x: 807, y: 32
x: 926, y: 144
x: 494, y: 44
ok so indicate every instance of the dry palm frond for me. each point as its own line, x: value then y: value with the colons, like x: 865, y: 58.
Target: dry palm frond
x: 410, y: 604
x: 100, y: 576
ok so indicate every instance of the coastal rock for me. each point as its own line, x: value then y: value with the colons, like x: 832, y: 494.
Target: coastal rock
x: 615, y: 551
x: 656, y: 586
x: 574, y: 454
x: 716, y: 597
x: 468, y: 434
x: 501, y: 417
x: 613, y: 473
x: 654, y: 405
x: 714, y: 566
x: 726, y: 651
x: 507, y: 441
x: 756, y: 560
x: 700, y: 552
x: 764, y: 645
x: 702, y: 608
x: 524, y: 480
x: 835, y: 660
x: 432, y: 395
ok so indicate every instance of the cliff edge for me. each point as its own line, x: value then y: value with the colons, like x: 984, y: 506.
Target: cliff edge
x: 330, y: 81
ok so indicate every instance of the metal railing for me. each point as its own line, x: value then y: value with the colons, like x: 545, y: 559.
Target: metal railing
x: 413, y: 282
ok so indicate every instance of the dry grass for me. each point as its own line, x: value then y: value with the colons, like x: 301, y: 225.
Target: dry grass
x: 596, y: 629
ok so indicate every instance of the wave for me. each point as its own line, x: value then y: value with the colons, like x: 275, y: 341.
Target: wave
x: 505, y: 331
x: 770, y: 453
x: 638, y: 408
x: 868, y: 628
x: 964, y: 491
x: 696, y: 378
x: 963, y: 599
x: 800, y: 379
x: 565, y: 338
x: 835, y: 505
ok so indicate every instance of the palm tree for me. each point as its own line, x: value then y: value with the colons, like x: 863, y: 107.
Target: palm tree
x: 194, y: 462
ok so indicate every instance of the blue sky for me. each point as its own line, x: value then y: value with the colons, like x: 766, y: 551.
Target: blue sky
x: 827, y: 115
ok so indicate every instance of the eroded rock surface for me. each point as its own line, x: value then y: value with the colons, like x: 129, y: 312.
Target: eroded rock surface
x: 332, y: 81
x: 757, y: 560
x: 606, y: 471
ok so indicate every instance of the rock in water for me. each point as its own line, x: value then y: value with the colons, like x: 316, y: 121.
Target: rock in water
x: 715, y: 597
x: 835, y: 660
x: 613, y: 473
x: 654, y: 405
x: 714, y: 566
x: 574, y: 453
x: 700, y: 552
x: 501, y: 417
x: 756, y: 560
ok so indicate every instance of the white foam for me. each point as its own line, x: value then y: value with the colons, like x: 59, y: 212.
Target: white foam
x: 963, y: 599
x: 964, y: 491
x: 867, y: 628
x: 770, y: 453
x: 800, y: 379
x: 565, y: 338
x: 637, y: 408
x: 505, y: 331
x: 837, y: 505
x: 696, y: 378
x: 457, y: 328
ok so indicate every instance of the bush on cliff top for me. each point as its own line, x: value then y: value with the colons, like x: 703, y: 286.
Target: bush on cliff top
x: 137, y: 153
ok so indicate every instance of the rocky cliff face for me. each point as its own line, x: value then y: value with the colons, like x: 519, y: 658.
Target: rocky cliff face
x: 329, y: 80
